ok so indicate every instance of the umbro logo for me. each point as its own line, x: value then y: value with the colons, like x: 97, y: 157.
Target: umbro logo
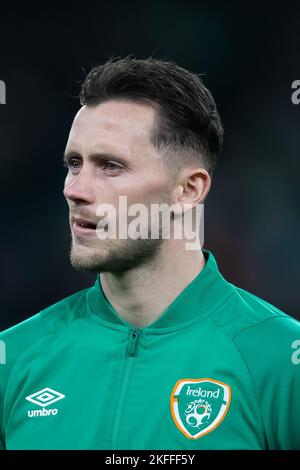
x: 44, y: 398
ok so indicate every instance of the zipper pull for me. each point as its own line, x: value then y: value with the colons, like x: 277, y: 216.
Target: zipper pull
x: 132, y: 341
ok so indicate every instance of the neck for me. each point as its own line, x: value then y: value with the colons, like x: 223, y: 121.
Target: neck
x: 140, y: 295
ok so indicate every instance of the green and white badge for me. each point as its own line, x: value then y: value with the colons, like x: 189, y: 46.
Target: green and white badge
x: 198, y: 406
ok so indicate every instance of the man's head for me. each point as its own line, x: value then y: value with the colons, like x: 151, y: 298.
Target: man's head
x: 147, y: 129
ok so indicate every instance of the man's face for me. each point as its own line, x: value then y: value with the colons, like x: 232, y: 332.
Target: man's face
x: 109, y: 154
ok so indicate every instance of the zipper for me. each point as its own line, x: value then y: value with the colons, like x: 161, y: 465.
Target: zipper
x: 134, y: 334
x: 133, y: 341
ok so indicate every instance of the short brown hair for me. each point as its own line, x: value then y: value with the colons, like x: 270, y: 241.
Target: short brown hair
x: 188, y: 124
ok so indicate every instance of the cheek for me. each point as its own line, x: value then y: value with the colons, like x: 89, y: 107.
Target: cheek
x: 154, y: 190
x: 143, y: 188
x: 149, y: 186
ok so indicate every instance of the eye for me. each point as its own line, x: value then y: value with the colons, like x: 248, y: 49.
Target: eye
x: 72, y: 163
x: 111, y: 166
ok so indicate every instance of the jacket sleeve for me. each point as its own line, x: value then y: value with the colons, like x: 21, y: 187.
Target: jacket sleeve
x: 271, y: 351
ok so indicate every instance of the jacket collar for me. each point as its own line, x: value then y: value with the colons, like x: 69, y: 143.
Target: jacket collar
x: 205, y: 293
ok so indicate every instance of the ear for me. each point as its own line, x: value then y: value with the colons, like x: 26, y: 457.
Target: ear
x: 195, y: 185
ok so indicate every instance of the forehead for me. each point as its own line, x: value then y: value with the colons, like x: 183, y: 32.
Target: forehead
x: 113, y: 124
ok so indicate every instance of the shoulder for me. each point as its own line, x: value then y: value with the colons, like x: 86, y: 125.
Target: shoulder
x: 245, y: 314
x: 47, y: 321
x: 267, y: 339
x: 270, y: 336
x: 264, y: 321
x: 257, y: 329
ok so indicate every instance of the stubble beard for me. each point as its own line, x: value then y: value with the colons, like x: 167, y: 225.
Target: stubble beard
x: 115, y: 256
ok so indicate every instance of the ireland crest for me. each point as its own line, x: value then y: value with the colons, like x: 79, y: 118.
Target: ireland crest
x: 199, y: 405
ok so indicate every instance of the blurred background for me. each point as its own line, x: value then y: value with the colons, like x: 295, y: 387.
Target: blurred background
x: 249, y: 57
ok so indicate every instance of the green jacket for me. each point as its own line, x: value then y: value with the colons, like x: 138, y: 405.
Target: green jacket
x: 219, y: 369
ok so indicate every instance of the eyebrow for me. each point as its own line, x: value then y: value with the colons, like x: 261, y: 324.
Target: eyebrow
x: 95, y: 157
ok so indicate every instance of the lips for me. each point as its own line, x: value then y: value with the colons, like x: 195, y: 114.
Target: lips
x: 84, y: 223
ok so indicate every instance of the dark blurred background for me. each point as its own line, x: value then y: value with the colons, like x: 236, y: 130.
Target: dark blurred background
x: 249, y: 57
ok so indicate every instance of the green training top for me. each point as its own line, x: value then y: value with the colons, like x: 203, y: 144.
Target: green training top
x: 219, y: 369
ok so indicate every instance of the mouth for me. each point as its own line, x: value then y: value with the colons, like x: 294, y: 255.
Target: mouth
x: 83, y: 226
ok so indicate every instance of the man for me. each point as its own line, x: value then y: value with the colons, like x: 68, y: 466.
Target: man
x: 162, y: 352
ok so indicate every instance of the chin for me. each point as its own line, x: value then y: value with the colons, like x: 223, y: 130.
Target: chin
x: 85, y: 258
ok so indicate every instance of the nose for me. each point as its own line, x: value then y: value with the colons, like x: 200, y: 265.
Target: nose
x: 78, y: 188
